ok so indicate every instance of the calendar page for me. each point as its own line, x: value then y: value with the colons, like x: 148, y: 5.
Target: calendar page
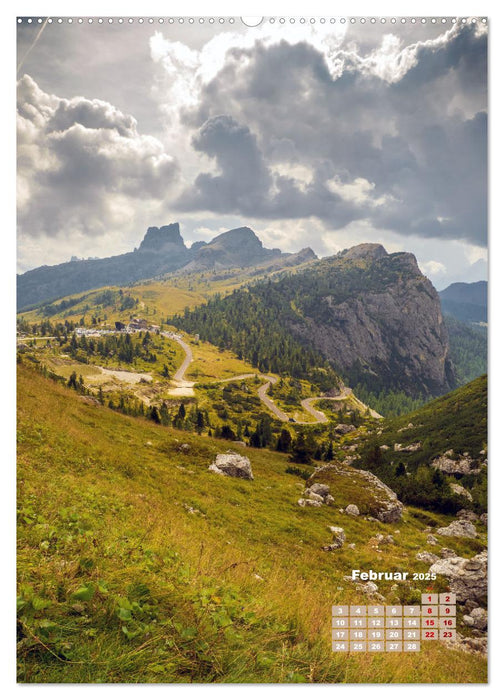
x: 251, y: 349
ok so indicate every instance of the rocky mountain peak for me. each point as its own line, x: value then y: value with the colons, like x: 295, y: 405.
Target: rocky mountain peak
x: 158, y: 238
x: 237, y: 238
x: 368, y: 251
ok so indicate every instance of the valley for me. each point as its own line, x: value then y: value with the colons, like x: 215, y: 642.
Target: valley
x: 141, y: 559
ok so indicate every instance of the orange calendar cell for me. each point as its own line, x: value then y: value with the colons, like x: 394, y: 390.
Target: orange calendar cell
x: 393, y: 622
x: 393, y: 634
x: 447, y: 610
x: 430, y: 634
x: 411, y: 610
x: 376, y: 610
x: 358, y: 622
x: 447, y: 622
x: 339, y: 610
x: 358, y: 610
x: 376, y: 634
x: 411, y: 622
x: 448, y: 635
x: 340, y: 635
x: 447, y: 598
x: 375, y: 622
x: 429, y: 622
x: 358, y: 634
x: 430, y: 599
x: 430, y: 610
x: 412, y: 634
x: 338, y: 622
x: 394, y: 610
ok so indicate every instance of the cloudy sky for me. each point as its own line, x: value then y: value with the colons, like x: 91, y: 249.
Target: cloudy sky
x: 325, y: 135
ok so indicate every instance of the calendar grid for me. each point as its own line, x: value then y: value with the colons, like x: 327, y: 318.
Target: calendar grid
x: 394, y: 628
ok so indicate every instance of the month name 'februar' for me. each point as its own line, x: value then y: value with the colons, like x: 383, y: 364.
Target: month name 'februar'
x: 371, y: 575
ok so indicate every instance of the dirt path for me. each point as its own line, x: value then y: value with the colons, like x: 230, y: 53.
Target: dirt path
x: 123, y: 375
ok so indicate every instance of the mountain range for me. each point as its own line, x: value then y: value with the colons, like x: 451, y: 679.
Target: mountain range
x: 161, y: 251
x: 466, y: 301
x: 373, y: 317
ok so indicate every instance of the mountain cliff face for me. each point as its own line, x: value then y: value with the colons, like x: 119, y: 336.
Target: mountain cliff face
x: 161, y: 251
x: 380, y: 322
x: 374, y: 317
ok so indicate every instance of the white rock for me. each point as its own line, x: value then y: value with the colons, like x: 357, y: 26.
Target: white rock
x: 232, y: 464
x: 458, y: 528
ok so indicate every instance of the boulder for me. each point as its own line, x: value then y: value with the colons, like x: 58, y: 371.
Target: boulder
x: 479, y: 618
x: 352, y: 509
x: 484, y: 519
x: 339, y: 536
x: 319, y: 492
x: 371, y: 496
x: 432, y: 540
x: 463, y: 465
x: 310, y: 495
x: 467, y: 577
x: 232, y: 464
x: 309, y: 502
x: 458, y: 528
x: 461, y: 491
x: 427, y: 557
x: 343, y: 429
x: 448, y: 553
x: 320, y: 489
x: 465, y: 514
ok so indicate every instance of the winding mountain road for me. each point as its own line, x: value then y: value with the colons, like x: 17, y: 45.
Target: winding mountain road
x: 185, y: 388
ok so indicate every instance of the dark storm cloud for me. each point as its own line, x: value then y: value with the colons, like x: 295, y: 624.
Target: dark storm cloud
x: 245, y: 184
x: 79, y: 161
x: 397, y: 136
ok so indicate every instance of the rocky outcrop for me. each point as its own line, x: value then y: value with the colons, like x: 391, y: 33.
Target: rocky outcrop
x: 467, y: 577
x: 339, y: 538
x: 448, y: 465
x: 316, y: 493
x: 309, y: 502
x: 232, y: 464
x: 414, y: 447
x: 370, y: 495
x: 343, y: 429
x: 477, y: 618
x: 379, y: 320
x: 427, y: 557
x: 458, y: 528
x: 461, y: 491
x: 352, y: 509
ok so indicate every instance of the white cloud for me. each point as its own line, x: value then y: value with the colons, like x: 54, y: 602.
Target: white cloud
x: 83, y: 168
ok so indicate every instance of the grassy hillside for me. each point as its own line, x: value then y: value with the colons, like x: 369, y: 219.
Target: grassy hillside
x: 456, y: 421
x: 136, y: 564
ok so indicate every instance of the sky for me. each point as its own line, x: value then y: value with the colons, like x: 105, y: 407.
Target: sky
x: 324, y: 135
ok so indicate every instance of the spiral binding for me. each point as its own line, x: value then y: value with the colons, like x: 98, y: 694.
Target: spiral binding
x: 270, y: 20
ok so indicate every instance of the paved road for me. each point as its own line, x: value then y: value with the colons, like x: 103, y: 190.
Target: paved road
x: 262, y: 392
x: 179, y: 374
